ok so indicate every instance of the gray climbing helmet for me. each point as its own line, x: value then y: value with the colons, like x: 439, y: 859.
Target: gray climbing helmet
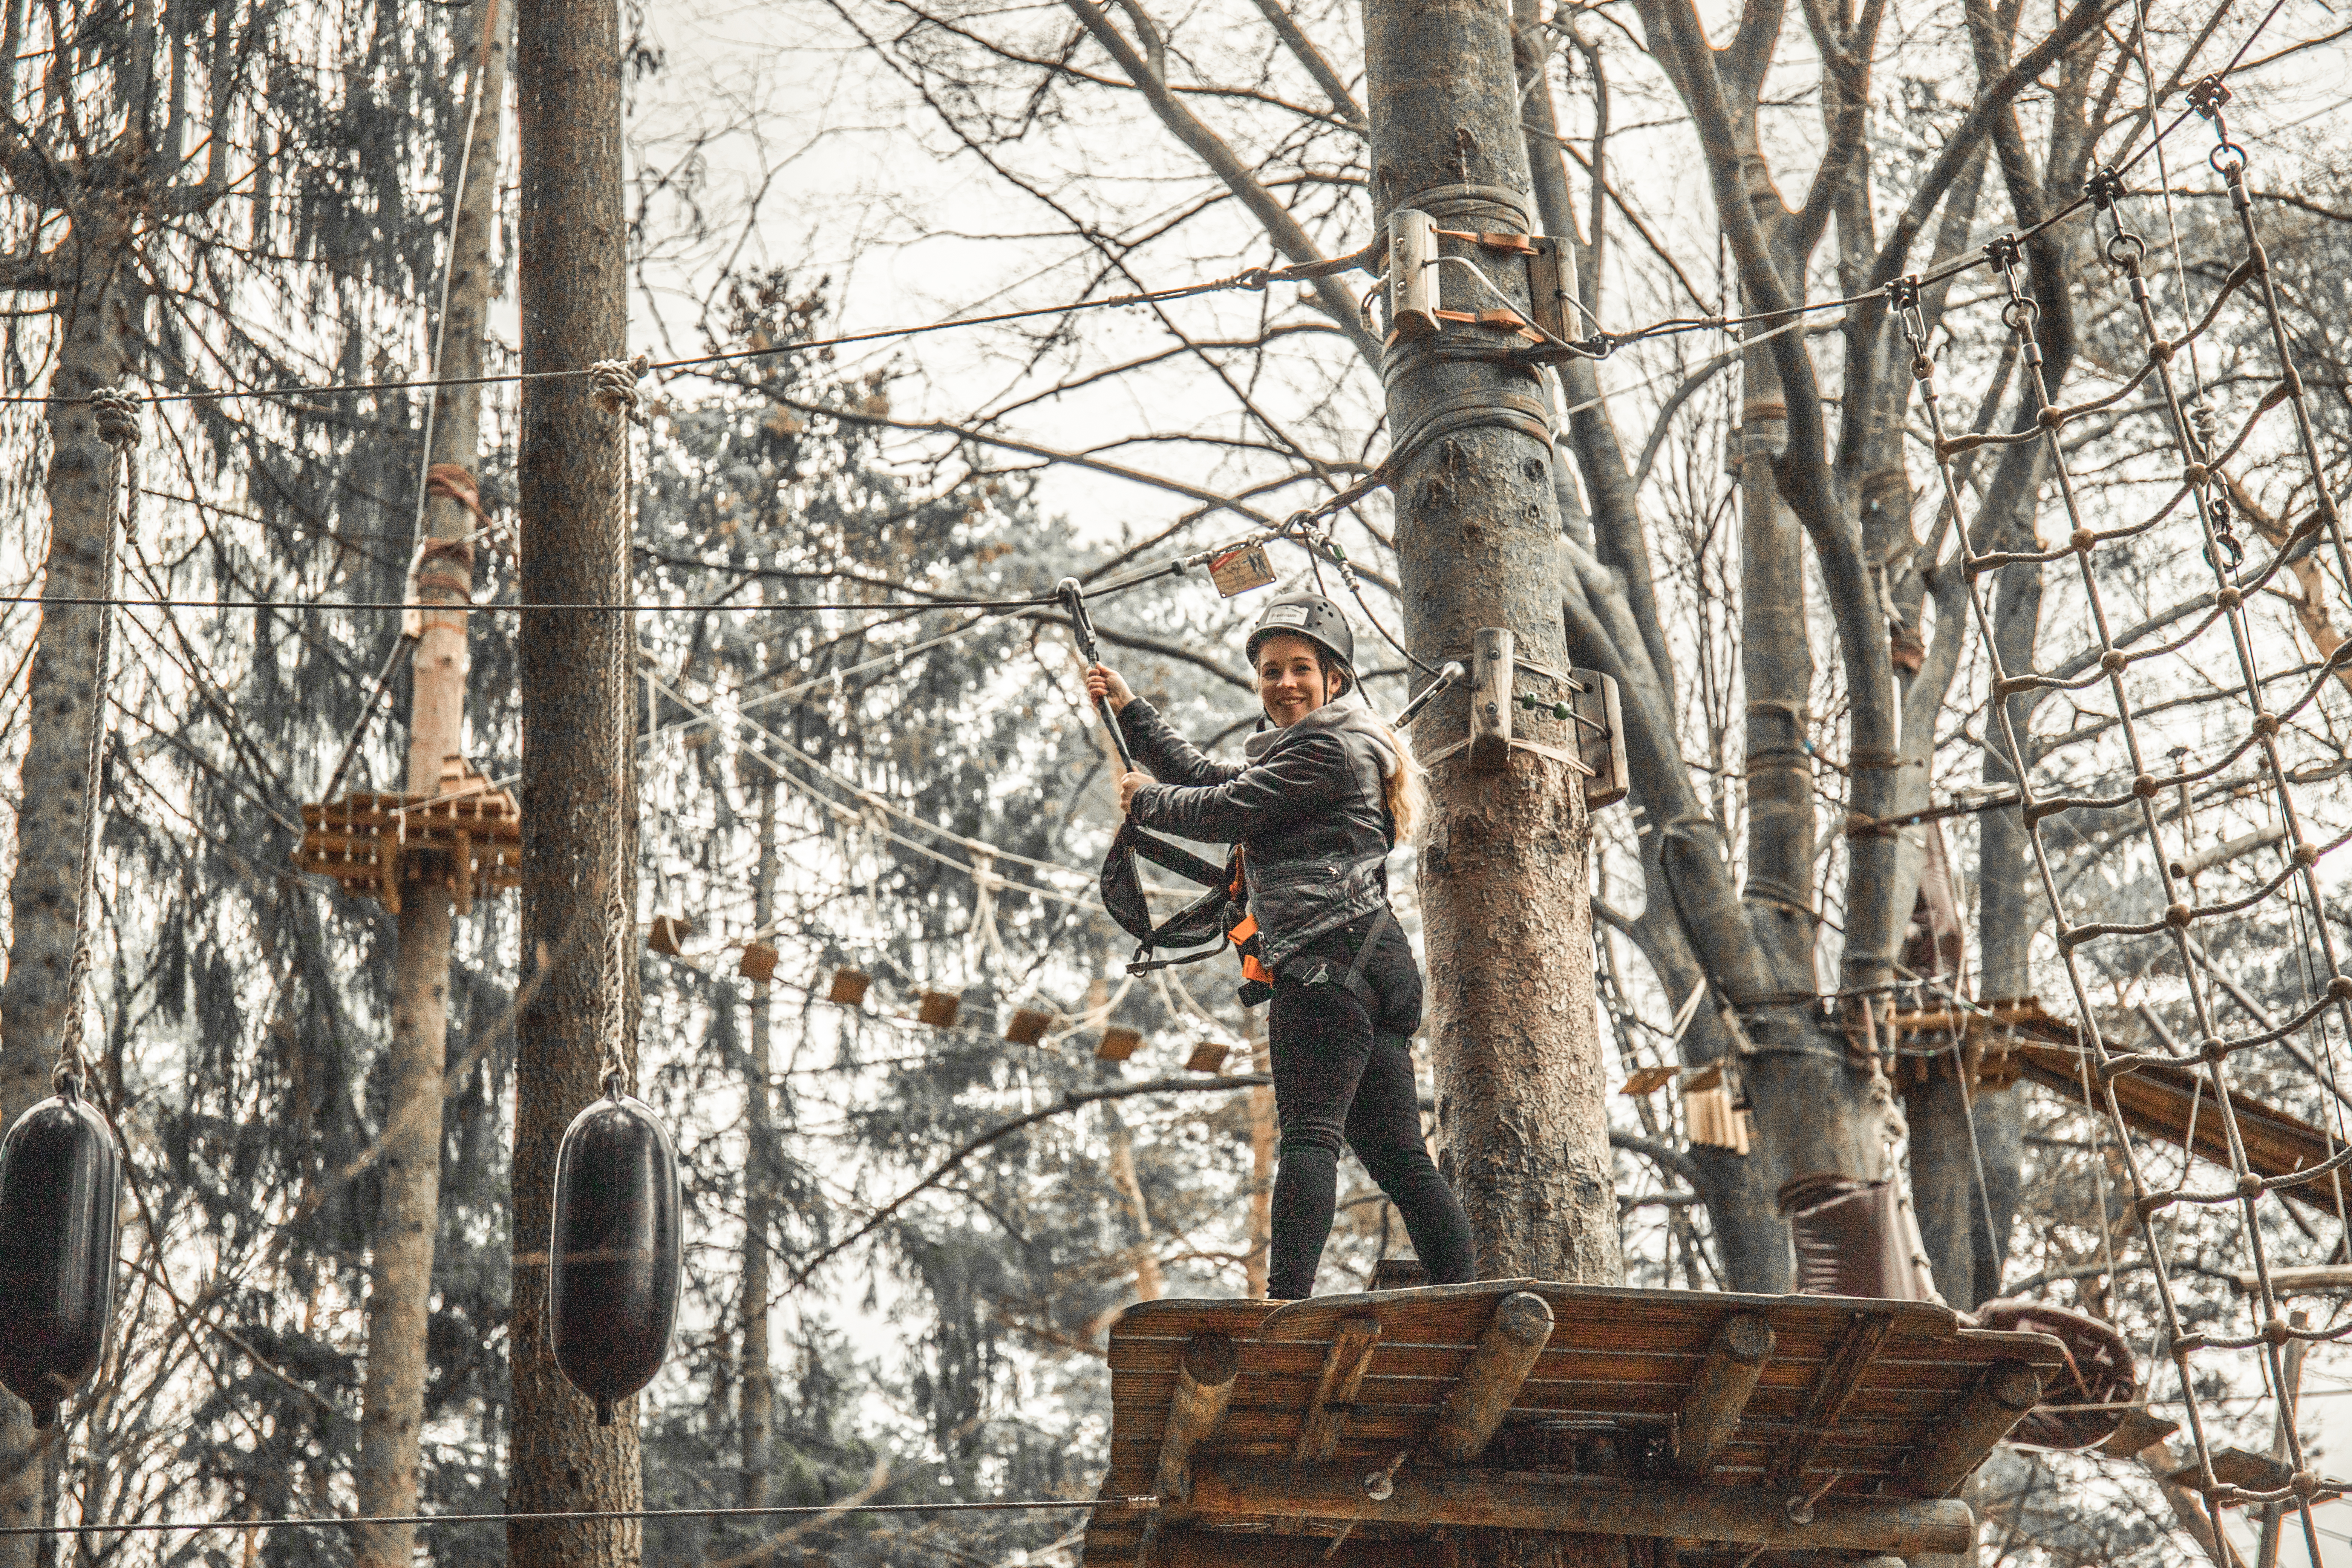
x: 1309, y: 616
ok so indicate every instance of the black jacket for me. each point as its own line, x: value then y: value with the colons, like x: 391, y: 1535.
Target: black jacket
x: 1309, y: 813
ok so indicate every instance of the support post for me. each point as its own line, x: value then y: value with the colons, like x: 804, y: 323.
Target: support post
x: 578, y: 801
x: 1344, y: 1366
x: 1204, y: 1388
x: 1490, y: 1379
x: 400, y: 1284
x: 1504, y: 865
x: 1711, y: 1413
x: 1998, y: 1402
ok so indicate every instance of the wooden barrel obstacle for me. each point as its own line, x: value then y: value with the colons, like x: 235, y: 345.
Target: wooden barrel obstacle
x: 1698, y: 1429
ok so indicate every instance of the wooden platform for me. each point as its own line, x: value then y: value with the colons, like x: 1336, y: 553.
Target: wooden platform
x: 468, y: 835
x: 1668, y: 1416
x: 2009, y: 1040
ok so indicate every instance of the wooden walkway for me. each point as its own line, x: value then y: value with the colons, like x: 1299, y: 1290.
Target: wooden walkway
x: 1369, y: 1431
x: 2159, y: 1100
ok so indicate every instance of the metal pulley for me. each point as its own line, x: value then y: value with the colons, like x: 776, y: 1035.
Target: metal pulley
x: 614, y: 1256
x: 60, y: 1202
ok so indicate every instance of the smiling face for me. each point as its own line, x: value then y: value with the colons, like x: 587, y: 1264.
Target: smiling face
x: 1290, y: 679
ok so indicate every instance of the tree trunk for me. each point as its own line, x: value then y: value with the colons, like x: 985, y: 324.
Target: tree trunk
x: 93, y: 318
x: 579, y: 797
x: 1504, y: 869
x: 759, y: 1395
x: 400, y: 1291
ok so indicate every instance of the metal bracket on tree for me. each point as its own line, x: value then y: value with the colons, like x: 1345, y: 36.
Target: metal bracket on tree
x: 1587, y: 702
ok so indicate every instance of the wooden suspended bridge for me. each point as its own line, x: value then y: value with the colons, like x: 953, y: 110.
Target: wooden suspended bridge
x: 1700, y: 1430
x: 2013, y: 1040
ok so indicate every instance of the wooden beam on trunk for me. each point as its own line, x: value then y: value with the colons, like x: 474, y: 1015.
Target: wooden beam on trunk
x: 1841, y: 1374
x: 1959, y: 1444
x: 1490, y: 1379
x: 1711, y: 1413
x: 1579, y: 1505
x: 1335, y: 1391
x: 1204, y: 1388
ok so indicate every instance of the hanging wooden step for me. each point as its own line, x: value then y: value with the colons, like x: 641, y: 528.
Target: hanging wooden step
x: 1359, y: 1430
x: 466, y: 836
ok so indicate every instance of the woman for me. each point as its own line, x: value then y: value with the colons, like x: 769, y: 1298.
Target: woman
x: 1327, y: 792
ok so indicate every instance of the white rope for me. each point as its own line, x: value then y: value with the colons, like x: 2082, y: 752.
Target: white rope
x: 117, y: 414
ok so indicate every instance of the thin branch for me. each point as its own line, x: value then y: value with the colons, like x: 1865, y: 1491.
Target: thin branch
x: 1070, y: 1101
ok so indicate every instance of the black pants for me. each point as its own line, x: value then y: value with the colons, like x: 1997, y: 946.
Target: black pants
x: 1336, y: 1081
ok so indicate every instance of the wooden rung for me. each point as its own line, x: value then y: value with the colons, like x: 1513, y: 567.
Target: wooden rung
x: 1711, y: 1413
x: 1960, y: 1442
x: 1028, y: 1026
x: 1840, y: 1376
x: 1204, y: 1388
x: 1649, y: 1079
x: 848, y: 987
x: 758, y: 962
x: 1117, y: 1043
x: 1208, y: 1057
x: 666, y: 934
x: 1344, y: 1365
x: 940, y: 1009
x: 1490, y: 1379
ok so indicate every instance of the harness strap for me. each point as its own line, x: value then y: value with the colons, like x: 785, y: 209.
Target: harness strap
x: 1357, y: 986
x: 1168, y: 857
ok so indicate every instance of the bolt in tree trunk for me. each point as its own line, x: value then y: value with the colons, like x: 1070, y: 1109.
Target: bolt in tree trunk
x: 93, y: 315
x: 759, y: 1395
x: 400, y: 1289
x: 579, y: 798
x: 1504, y: 868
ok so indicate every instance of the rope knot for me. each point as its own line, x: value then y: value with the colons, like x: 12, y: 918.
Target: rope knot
x: 117, y: 411
x: 614, y: 384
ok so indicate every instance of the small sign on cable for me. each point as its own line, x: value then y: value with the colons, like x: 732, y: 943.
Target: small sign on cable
x: 1239, y: 571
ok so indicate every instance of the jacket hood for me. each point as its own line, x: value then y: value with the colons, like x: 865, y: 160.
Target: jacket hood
x: 1349, y: 716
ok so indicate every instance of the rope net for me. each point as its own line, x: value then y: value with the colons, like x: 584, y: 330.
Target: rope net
x: 2167, y: 761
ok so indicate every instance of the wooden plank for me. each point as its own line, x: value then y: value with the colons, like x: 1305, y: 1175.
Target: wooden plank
x: 1580, y: 1505
x: 1964, y: 1438
x: 1719, y: 1392
x: 2157, y: 1100
x: 1840, y: 1376
x: 1344, y: 1366
x: 1490, y: 699
x: 1490, y: 1379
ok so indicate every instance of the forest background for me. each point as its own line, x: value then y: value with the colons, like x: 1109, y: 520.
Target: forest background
x: 257, y: 194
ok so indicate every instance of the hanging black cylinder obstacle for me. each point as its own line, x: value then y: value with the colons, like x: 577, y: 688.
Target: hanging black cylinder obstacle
x: 614, y: 1255
x: 61, y: 1202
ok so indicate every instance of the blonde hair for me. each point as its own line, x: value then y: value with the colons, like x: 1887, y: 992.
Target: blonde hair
x: 1407, y: 789
x: 1405, y: 792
